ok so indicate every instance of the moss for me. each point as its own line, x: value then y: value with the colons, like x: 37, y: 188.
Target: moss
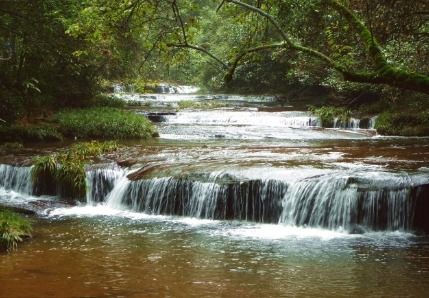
x: 64, y: 172
x: 13, y: 229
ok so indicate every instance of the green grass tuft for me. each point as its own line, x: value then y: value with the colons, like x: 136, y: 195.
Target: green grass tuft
x: 13, y: 229
x: 66, y: 170
x: 104, y: 123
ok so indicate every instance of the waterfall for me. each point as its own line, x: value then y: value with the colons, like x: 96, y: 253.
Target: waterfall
x: 16, y: 178
x: 249, y: 200
x: 336, y: 202
x: 372, y: 120
x: 100, y: 182
x: 330, y: 201
x: 347, y: 200
x: 352, y: 123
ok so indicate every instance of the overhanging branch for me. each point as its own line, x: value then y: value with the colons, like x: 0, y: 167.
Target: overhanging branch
x: 197, y: 48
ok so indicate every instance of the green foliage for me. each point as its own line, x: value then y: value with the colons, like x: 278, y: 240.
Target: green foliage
x: 403, y: 123
x: 102, y: 100
x: 36, y: 133
x: 327, y: 115
x: 66, y: 170
x: 107, y: 123
x: 13, y: 229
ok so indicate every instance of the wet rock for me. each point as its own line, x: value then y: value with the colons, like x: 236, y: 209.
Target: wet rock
x: 142, y: 172
x: 158, y: 116
x: 357, y: 229
x: 126, y: 163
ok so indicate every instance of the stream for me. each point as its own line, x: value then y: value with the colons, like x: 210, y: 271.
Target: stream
x: 249, y: 198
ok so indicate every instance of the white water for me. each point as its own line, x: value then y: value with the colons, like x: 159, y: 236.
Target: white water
x: 262, y: 119
x: 328, y: 199
x: 16, y: 178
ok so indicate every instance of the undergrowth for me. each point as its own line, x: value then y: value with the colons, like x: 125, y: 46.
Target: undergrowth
x: 65, y: 171
x: 13, y: 229
x: 327, y: 115
x: 104, y: 123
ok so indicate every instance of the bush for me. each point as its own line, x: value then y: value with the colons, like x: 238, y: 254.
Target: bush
x: 403, y: 123
x: 13, y: 229
x: 65, y: 171
x: 327, y: 115
x: 102, y: 123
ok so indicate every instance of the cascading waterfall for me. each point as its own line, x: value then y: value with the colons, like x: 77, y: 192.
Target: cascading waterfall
x: 352, y: 123
x: 16, y: 178
x: 329, y: 201
x: 369, y: 201
x: 100, y: 182
x: 250, y: 200
x: 335, y: 202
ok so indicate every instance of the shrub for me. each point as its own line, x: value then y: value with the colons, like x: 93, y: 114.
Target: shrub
x: 403, y: 123
x: 327, y: 115
x: 99, y: 123
x: 65, y: 171
x: 13, y: 229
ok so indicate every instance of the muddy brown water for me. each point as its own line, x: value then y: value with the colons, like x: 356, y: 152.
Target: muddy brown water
x: 165, y: 257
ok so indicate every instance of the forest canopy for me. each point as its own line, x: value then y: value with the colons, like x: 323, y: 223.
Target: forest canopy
x: 58, y: 53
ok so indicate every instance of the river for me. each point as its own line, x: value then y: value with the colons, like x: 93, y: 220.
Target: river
x: 250, y: 199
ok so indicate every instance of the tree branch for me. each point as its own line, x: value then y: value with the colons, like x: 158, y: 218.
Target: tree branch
x: 234, y: 63
x: 179, y: 18
x: 294, y: 45
x: 372, y: 45
x: 197, y: 48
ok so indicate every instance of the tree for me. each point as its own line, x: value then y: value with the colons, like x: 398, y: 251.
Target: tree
x: 384, y: 71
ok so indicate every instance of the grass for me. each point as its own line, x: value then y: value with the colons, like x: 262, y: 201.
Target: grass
x: 13, y: 229
x: 66, y: 170
x: 104, y: 123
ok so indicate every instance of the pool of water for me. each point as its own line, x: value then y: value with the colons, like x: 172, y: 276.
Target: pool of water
x: 94, y: 253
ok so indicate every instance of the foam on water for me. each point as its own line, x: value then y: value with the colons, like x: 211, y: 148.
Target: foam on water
x: 278, y: 232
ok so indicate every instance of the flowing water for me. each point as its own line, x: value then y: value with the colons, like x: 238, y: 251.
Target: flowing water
x: 249, y: 200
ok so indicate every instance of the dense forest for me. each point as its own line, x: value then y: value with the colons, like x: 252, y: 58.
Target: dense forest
x: 60, y: 53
